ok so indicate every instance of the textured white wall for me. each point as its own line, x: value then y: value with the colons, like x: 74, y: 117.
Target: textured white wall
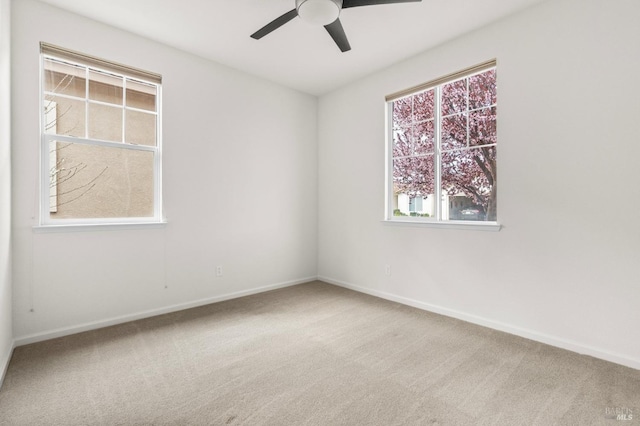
x: 564, y: 268
x: 6, y: 331
x: 231, y: 142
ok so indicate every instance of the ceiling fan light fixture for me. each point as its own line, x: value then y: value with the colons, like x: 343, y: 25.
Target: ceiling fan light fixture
x: 319, y: 12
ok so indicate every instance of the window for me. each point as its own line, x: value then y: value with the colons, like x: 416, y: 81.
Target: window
x: 100, y: 141
x: 442, y: 142
x: 415, y: 205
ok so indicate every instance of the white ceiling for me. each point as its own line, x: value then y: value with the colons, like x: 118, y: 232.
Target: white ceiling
x: 296, y: 55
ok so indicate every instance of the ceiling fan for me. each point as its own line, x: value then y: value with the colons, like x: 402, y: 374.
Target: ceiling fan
x: 325, y: 13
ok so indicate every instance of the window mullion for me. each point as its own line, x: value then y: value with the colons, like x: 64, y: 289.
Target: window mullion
x: 99, y: 142
x: 466, y: 80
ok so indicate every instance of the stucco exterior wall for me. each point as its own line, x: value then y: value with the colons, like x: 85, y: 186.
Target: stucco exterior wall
x: 94, y: 181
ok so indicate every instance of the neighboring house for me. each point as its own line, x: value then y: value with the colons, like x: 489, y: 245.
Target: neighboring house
x: 92, y: 181
x: 455, y: 207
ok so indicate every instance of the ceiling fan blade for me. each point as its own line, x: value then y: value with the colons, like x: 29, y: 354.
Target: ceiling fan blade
x: 355, y: 3
x: 275, y: 24
x: 336, y: 32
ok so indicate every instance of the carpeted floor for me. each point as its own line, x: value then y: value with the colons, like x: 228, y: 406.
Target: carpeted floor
x: 312, y: 354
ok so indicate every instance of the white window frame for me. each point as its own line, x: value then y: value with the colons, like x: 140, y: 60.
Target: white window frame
x: 49, y: 139
x: 436, y: 220
x: 53, y: 157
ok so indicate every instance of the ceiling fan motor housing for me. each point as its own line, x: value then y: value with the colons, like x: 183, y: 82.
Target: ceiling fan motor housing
x: 319, y: 12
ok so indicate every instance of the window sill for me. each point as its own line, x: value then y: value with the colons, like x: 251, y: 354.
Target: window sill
x: 83, y: 227
x: 453, y: 224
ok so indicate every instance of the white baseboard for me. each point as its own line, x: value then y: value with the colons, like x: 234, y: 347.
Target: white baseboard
x: 496, y: 325
x: 4, y: 362
x: 65, y: 331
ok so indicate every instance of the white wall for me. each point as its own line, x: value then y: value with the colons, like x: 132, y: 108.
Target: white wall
x: 228, y: 138
x: 6, y: 330
x: 562, y: 270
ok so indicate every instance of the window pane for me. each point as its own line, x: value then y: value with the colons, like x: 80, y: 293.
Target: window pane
x: 414, y: 176
x: 402, y: 112
x: 105, y: 87
x: 402, y: 142
x: 93, y: 181
x: 62, y: 78
x: 140, y: 128
x: 423, y: 105
x: 482, y: 127
x: 454, y: 132
x: 454, y: 97
x: 105, y: 122
x: 141, y: 95
x: 468, y: 181
x: 482, y: 89
x: 423, y: 138
x: 418, y: 203
x: 413, y: 179
x: 64, y: 116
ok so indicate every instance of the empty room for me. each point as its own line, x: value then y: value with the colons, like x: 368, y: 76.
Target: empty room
x: 287, y: 212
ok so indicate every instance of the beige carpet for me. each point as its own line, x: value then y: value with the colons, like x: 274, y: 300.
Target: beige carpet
x: 312, y: 354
